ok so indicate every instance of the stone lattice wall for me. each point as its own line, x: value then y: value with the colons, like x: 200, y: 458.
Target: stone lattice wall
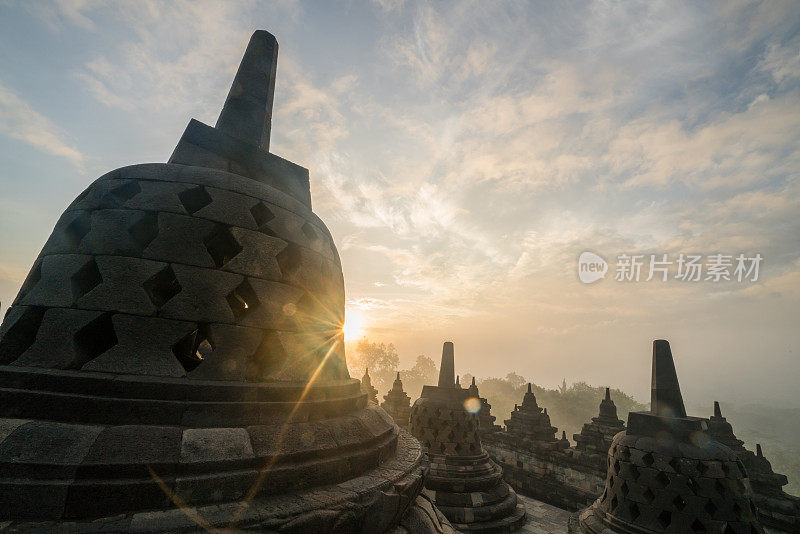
x: 566, y: 478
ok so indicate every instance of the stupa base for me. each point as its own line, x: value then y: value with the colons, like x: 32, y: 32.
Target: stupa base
x: 385, y: 499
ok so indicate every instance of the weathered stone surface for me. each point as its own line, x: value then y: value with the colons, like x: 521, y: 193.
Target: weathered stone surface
x: 178, y: 343
x: 397, y: 403
x: 776, y: 508
x: 367, y: 389
x: 463, y: 482
x: 531, y: 423
x: 649, y: 484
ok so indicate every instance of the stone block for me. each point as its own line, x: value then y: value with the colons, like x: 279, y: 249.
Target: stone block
x: 55, y: 287
x: 215, y: 445
x: 144, y: 347
x: 159, y: 196
x: 180, y: 240
x: 258, y: 255
x: 277, y: 307
x: 123, y: 285
x: 48, y: 443
x: 232, y: 351
x: 203, y: 296
x: 229, y: 207
x: 58, y: 344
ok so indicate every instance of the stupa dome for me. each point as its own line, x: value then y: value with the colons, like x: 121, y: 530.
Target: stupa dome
x: 175, y: 361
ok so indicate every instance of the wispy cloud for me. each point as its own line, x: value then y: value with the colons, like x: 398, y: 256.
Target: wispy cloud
x: 18, y: 120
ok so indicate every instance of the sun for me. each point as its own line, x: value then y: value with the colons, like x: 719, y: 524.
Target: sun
x: 353, y: 325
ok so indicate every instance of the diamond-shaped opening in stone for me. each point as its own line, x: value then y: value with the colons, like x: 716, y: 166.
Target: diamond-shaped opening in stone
x: 662, y: 479
x: 222, y: 246
x: 21, y: 335
x: 614, y: 503
x: 692, y: 485
x: 192, y: 349
x: 648, y: 459
x: 77, y: 229
x: 33, y: 278
x: 242, y: 299
x: 144, y: 230
x: 710, y: 508
x: 634, y: 510
x: 702, y: 467
x: 261, y: 215
x: 634, y: 472
x: 85, y: 279
x: 162, y: 286
x: 679, y: 502
x: 94, y: 339
x: 121, y: 194
x: 289, y: 259
x: 648, y: 495
x: 665, y: 518
x: 675, y: 464
x: 268, y: 359
x: 616, y: 467
x: 195, y: 199
x: 624, y: 488
x: 309, y: 231
x: 697, y: 526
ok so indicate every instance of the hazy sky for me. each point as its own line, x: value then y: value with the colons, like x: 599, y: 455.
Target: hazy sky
x: 463, y: 156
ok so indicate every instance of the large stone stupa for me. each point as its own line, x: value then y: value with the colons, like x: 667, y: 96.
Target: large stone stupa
x: 464, y: 483
x: 174, y: 360
x: 667, y: 474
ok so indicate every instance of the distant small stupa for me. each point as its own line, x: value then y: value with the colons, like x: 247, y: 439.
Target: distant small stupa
x: 397, y: 403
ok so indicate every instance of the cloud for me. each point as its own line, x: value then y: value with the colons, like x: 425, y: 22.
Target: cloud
x: 18, y: 120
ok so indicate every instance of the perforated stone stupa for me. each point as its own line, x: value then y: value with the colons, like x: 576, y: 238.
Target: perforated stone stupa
x: 777, y: 509
x: 174, y: 359
x: 485, y: 418
x: 465, y: 484
x: 667, y: 474
x: 368, y: 389
x: 530, y: 422
x: 597, y: 435
x: 397, y: 403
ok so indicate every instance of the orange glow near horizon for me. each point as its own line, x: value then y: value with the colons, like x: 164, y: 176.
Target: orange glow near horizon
x: 353, y: 327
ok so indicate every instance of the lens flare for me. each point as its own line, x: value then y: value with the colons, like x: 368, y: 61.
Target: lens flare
x: 472, y: 405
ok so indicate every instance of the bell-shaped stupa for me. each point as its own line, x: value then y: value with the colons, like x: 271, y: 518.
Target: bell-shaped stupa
x: 530, y: 422
x: 667, y: 474
x: 368, y: 389
x: 596, y: 436
x: 397, y: 403
x: 464, y: 483
x: 485, y: 418
x: 174, y: 360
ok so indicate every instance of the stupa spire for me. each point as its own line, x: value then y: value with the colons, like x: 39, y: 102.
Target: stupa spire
x: 665, y: 393
x: 717, y: 411
x: 608, y: 394
x: 247, y: 113
x: 447, y: 368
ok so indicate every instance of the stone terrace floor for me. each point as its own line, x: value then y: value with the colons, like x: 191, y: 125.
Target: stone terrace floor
x: 543, y: 518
